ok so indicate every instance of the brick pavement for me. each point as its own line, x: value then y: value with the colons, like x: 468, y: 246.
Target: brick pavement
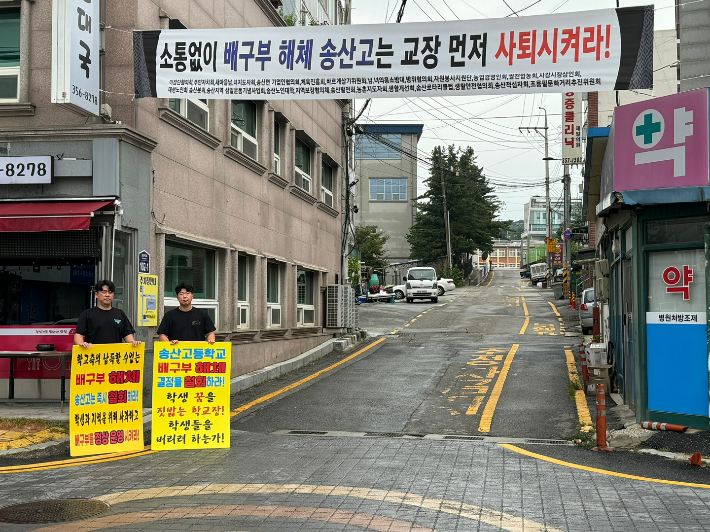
x: 278, y: 483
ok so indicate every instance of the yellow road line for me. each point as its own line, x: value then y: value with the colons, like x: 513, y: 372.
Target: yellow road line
x: 473, y: 409
x: 518, y: 450
x: 525, y: 306
x: 74, y: 462
x: 489, y: 282
x: 583, y: 414
x: 525, y: 326
x: 553, y: 308
x: 487, y: 416
x: 265, y: 398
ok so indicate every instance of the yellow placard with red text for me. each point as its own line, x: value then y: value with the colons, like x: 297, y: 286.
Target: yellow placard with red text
x: 106, y: 401
x: 191, y: 395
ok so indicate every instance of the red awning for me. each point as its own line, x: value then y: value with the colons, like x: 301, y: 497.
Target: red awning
x: 48, y: 216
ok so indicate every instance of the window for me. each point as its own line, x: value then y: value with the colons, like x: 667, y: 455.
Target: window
x: 303, y: 166
x: 385, y: 146
x: 243, y: 291
x: 305, y: 311
x: 123, y: 254
x: 326, y: 187
x: 388, y: 190
x: 195, y: 266
x: 196, y: 111
x: 9, y: 54
x: 273, y: 301
x: 244, y: 128
x: 277, y: 148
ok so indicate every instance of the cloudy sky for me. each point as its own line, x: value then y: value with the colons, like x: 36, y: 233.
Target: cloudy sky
x: 489, y: 124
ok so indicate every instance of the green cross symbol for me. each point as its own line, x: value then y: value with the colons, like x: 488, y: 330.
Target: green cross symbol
x: 648, y: 128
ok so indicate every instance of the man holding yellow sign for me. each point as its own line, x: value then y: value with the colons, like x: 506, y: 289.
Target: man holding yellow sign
x: 186, y: 323
x: 104, y: 324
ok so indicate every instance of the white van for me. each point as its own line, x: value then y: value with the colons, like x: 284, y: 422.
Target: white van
x: 421, y: 284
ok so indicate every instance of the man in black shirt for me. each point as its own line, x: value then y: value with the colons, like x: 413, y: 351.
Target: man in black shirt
x: 186, y: 323
x: 104, y: 324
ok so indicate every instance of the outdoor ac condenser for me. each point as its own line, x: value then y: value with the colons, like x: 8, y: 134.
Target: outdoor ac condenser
x: 340, y: 309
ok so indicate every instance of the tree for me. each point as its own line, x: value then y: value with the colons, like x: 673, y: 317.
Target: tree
x: 370, y: 242
x: 513, y: 230
x: 470, y: 201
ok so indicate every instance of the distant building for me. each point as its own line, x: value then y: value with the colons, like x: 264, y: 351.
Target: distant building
x: 505, y: 254
x: 386, y: 173
x: 316, y: 12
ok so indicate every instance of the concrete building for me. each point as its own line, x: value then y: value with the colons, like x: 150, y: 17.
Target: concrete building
x: 693, y: 32
x: 239, y: 198
x: 386, y: 186
x: 309, y: 12
x: 535, y: 221
x: 505, y: 254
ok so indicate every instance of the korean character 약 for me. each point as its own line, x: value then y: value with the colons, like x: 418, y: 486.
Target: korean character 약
x: 263, y: 53
x: 409, y: 55
x: 527, y: 42
x: 383, y: 50
x: 507, y: 52
x: 305, y: 55
x: 593, y: 39
x: 545, y: 46
x: 570, y: 39
x: 366, y: 53
x: 286, y: 53
x: 431, y: 45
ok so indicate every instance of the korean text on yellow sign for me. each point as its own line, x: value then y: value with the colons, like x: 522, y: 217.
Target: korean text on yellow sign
x: 191, y: 395
x: 551, y: 245
x: 106, y: 404
x: 147, y: 300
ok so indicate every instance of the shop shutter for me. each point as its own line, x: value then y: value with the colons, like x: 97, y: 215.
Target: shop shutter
x: 50, y: 247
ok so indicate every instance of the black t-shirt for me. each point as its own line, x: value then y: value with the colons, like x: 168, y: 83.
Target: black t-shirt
x: 99, y: 326
x: 190, y: 326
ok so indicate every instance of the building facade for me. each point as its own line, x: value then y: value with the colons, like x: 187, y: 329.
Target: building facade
x: 239, y: 198
x: 386, y: 187
x: 535, y: 221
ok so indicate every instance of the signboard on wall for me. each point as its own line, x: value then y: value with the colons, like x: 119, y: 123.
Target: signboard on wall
x: 572, y: 128
x: 106, y: 403
x: 75, y: 53
x: 548, y: 53
x: 147, y: 300
x: 191, y: 385
x: 662, y: 143
x: 36, y: 170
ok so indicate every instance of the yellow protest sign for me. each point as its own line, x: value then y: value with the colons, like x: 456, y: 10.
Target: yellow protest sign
x: 551, y: 245
x: 147, y: 300
x: 106, y: 404
x: 191, y: 395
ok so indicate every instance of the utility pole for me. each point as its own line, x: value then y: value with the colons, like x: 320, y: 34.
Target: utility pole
x: 446, y: 212
x: 567, y: 248
x: 548, y: 211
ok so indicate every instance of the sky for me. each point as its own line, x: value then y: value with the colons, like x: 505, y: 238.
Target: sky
x: 513, y: 161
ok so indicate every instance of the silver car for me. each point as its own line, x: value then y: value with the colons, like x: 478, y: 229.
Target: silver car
x: 586, y: 310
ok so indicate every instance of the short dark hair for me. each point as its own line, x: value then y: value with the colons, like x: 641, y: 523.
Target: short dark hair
x: 187, y: 287
x: 100, y: 286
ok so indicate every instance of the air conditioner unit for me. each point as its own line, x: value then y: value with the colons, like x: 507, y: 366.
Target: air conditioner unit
x: 602, y: 268
x: 603, y: 289
x: 340, y: 307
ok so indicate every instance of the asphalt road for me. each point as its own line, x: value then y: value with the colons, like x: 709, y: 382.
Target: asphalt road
x: 438, y: 372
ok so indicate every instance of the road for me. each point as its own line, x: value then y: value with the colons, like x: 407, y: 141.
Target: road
x: 451, y: 419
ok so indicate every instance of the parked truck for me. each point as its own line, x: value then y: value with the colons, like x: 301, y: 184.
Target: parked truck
x: 421, y: 284
x: 538, y: 272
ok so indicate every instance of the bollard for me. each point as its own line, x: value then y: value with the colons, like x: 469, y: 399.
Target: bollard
x: 653, y: 425
x: 583, y: 358
x: 574, y: 301
x: 601, y: 419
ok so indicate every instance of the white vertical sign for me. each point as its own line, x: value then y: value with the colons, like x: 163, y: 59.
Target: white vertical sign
x: 75, y: 53
x: 572, y: 128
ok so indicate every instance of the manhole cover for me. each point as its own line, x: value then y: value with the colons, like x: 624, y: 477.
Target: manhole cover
x: 52, y: 511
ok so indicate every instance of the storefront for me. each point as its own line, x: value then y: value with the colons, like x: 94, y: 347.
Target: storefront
x: 651, y: 277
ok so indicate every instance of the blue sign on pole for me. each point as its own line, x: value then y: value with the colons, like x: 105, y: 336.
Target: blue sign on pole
x: 144, y: 262
x: 568, y: 234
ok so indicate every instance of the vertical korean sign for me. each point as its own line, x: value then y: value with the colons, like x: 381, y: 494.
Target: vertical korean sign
x: 572, y: 128
x: 676, y: 327
x: 191, y: 395
x: 106, y: 405
x: 147, y: 300
x: 75, y: 53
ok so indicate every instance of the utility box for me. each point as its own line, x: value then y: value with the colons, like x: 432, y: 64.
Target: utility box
x: 596, y: 354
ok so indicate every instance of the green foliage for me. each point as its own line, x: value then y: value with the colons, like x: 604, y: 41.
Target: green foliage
x: 512, y: 230
x: 470, y: 201
x: 354, y: 270
x: 454, y: 273
x: 291, y: 19
x: 370, y: 243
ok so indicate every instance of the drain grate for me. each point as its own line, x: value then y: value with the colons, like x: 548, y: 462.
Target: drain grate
x: 385, y: 434
x: 549, y: 442
x: 307, y: 432
x: 467, y: 438
x: 52, y: 511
